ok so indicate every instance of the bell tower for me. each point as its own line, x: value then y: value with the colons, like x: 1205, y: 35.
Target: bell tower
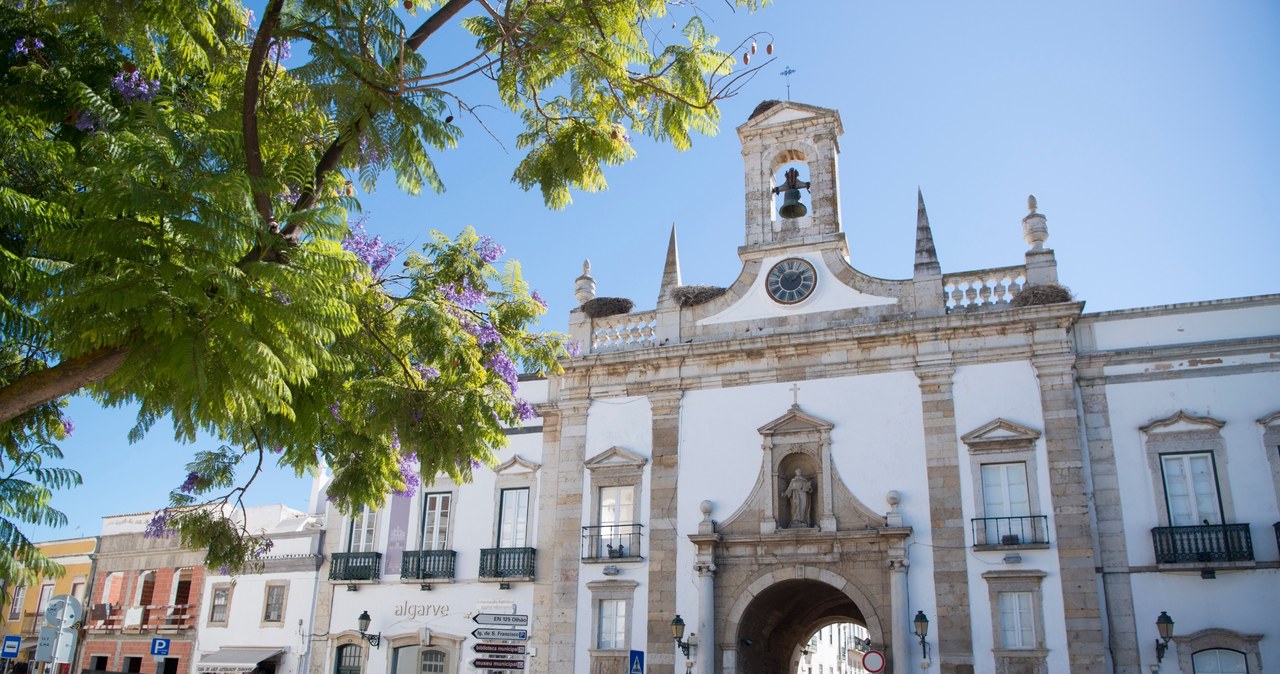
x: 804, y: 138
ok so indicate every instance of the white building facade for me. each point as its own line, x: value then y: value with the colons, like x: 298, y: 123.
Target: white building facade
x: 812, y: 447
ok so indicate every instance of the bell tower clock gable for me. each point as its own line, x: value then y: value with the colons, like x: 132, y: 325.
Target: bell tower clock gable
x: 805, y: 139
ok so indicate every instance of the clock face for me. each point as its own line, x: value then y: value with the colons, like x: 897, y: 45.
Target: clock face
x: 791, y: 280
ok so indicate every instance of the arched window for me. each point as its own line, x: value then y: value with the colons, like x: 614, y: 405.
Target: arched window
x: 432, y: 661
x: 1219, y: 661
x: 348, y: 659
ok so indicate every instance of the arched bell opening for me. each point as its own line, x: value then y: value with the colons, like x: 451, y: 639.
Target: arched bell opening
x: 779, y: 622
x: 791, y: 181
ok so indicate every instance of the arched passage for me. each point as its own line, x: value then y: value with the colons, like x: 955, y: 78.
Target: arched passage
x: 774, y: 623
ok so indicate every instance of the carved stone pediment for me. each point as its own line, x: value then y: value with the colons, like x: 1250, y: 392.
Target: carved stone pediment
x: 616, y: 457
x: 798, y: 491
x: 1182, y: 421
x: 516, y: 465
x: 1000, y: 435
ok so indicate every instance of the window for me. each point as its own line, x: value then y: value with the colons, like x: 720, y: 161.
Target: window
x: 273, y: 605
x: 1017, y: 626
x: 348, y: 659
x: 435, y: 522
x: 133, y: 664
x: 1219, y: 661
x: 220, y: 604
x: 432, y: 661
x: 98, y: 663
x: 513, y: 518
x: 612, y: 628
x: 360, y: 535
x: 1003, y: 456
x: 1191, y: 489
x: 617, y: 513
x: 46, y: 593
x: 15, y: 607
x: 77, y: 589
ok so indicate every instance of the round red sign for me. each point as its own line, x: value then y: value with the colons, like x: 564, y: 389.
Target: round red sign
x: 873, y: 661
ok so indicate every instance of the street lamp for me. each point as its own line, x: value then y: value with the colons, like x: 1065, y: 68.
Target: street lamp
x: 922, y: 630
x: 363, y: 623
x: 1164, y: 625
x: 677, y: 631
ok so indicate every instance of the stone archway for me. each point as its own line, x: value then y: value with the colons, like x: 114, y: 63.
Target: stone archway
x: 768, y: 624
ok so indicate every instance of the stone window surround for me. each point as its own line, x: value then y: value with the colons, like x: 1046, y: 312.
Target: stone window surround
x: 505, y: 478
x: 1018, y: 444
x: 614, y: 467
x: 442, y: 485
x: 1017, y: 580
x: 1206, y: 439
x: 1212, y: 638
x: 230, y: 589
x: 422, y: 639
x: 349, y: 638
x: 1271, y: 446
x: 284, y: 602
x: 610, y: 589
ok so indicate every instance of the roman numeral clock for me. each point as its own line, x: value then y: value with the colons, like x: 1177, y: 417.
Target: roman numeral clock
x: 791, y: 280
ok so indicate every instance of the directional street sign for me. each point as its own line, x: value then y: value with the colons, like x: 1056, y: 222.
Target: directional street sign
x: 494, y: 663
x: 501, y: 619
x: 12, y: 643
x: 506, y: 649
x: 491, y: 633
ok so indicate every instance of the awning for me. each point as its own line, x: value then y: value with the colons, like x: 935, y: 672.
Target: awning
x: 233, y: 660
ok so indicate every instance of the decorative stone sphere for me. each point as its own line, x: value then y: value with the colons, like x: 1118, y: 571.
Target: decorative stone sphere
x: 893, y: 498
x: 705, y: 507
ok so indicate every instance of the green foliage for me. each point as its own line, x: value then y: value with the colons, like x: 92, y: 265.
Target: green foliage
x: 174, y: 203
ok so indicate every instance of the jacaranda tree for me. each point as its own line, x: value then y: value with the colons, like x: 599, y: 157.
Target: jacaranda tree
x: 174, y: 221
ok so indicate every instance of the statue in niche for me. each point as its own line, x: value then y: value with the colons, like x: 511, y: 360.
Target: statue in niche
x: 798, y: 492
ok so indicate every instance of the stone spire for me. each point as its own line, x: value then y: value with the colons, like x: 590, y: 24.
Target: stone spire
x: 926, y: 254
x: 584, y: 288
x: 670, y: 271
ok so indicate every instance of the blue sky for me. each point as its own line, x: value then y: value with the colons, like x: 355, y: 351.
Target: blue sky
x: 1147, y: 130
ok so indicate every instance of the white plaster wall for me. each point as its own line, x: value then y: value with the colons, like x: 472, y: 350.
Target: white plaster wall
x: 244, y: 625
x: 829, y: 294
x: 1239, y: 400
x: 1124, y: 330
x: 877, y: 445
x: 1242, y: 601
x: 1010, y: 391
x: 626, y: 423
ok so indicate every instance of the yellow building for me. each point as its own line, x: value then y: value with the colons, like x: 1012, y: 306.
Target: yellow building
x: 22, y: 615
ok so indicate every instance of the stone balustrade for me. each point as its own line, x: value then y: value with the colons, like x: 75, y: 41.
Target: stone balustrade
x: 624, y: 332
x: 982, y: 288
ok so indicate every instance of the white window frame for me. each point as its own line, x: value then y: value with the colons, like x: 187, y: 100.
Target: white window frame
x: 362, y: 531
x: 437, y: 536
x: 1185, y: 433
x: 611, y: 624
x: 1191, y: 477
x: 1187, y: 645
x: 513, y: 534
x: 15, y: 604
x: 1017, y: 619
x: 621, y: 469
x: 226, y: 589
x: 283, y: 588
x: 1019, y: 582
x: 605, y: 659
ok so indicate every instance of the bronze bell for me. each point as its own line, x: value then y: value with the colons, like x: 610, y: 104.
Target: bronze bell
x: 791, y: 206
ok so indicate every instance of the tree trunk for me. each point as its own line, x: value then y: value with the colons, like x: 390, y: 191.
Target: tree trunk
x: 62, y: 379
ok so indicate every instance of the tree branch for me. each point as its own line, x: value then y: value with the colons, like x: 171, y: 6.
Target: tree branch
x: 249, y: 112
x: 62, y: 379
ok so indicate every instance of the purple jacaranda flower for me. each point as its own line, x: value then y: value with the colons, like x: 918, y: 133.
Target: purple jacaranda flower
x: 189, y: 485
x: 336, y: 411
x: 409, y: 473
x: 369, y: 250
x: 26, y: 45
x: 279, y: 50
x: 489, y: 250
x: 159, y: 527
x: 368, y: 154
x: 428, y: 373
x: 484, y: 333
x: 132, y: 86
x: 464, y: 295
x: 85, y: 120
x: 525, y: 410
x: 67, y: 427
x: 538, y: 298
x: 573, y: 347
x: 502, y: 366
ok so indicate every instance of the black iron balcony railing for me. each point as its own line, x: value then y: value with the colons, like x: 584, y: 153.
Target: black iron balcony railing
x: 612, y: 541
x: 506, y: 562
x: 1203, y: 543
x: 355, y: 566
x: 1025, y: 530
x: 427, y: 564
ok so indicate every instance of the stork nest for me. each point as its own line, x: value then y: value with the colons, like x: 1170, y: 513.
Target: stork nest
x: 607, y: 306
x: 1043, y: 294
x: 689, y: 296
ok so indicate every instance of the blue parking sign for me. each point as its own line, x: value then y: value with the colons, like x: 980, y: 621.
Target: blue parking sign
x: 160, y: 646
x: 12, y: 643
